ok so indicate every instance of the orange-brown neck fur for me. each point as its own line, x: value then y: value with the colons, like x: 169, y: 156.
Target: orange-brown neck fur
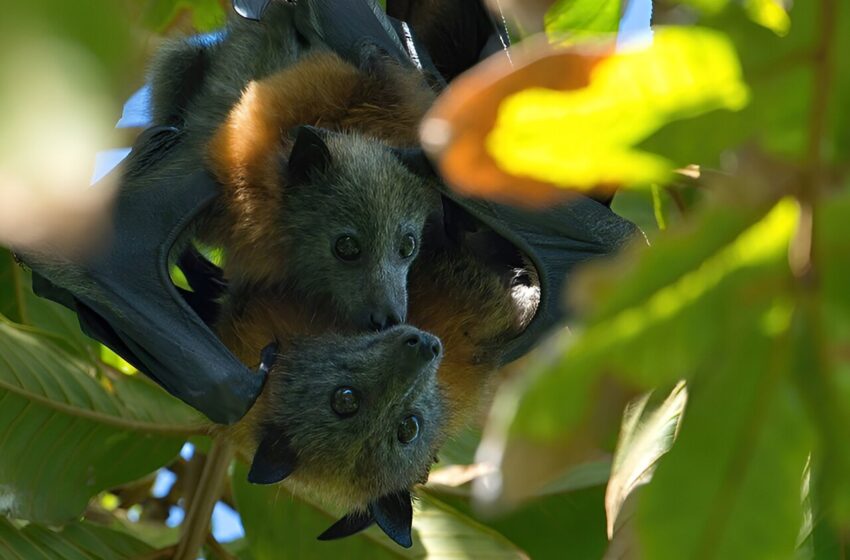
x: 246, y: 153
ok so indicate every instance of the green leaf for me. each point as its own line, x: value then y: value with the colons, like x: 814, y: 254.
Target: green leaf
x: 660, y: 319
x: 731, y: 485
x: 779, y: 73
x: 19, y: 304
x: 586, y: 137
x: 280, y: 524
x: 822, y: 336
x: 840, y: 112
x: 77, y: 541
x: 566, y: 524
x: 67, y: 434
x: 661, y: 308
x: 770, y: 14
x: 567, y: 20
x: 207, y: 15
x: 833, y: 247
x: 646, y: 435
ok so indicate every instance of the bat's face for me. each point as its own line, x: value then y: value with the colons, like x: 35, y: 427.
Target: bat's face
x: 357, y: 417
x: 354, y: 215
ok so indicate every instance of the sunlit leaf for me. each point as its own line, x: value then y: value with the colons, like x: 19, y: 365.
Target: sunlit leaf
x: 584, y: 138
x: 768, y: 13
x: 646, y: 435
x: 779, y: 73
x: 567, y: 20
x: 67, y: 434
x: 573, y: 118
x: 76, y: 541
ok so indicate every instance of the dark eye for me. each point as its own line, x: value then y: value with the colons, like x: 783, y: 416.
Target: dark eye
x: 408, y: 246
x: 347, y: 248
x: 345, y: 401
x: 408, y: 430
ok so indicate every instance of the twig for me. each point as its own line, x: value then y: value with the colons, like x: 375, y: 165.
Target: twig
x: 204, y: 498
x: 801, y: 255
x: 161, y: 554
x: 677, y: 199
x: 217, y: 550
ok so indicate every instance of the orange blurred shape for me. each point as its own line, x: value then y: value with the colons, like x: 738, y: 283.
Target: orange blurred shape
x: 455, y: 129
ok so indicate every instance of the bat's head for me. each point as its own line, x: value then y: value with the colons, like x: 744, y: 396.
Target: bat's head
x: 354, y: 212
x: 357, y: 419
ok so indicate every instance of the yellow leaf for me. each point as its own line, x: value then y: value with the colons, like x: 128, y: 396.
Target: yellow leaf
x: 586, y: 137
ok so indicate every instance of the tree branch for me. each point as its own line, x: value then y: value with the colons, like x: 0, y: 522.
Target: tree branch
x: 204, y: 498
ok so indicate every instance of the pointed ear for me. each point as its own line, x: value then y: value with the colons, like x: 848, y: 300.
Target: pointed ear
x: 309, y: 154
x: 274, y: 459
x: 415, y: 160
x: 394, y: 515
x: 349, y: 525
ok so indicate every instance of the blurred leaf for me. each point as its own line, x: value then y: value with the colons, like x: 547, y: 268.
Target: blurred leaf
x: 833, y: 248
x: 567, y: 20
x: 839, y: 117
x: 685, y: 312
x: 207, y: 15
x: 584, y: 138
x: 66, y: 435
x: 658, y: 326
x: 779, y: 73
x: 19, y: 304
x: 460, y: 449
x: 77, y: 541
x: 821, y: 338
x: 770, y: 14
x: 98, y: 28
x: 646, y: 435
x: 277, y: 520
x: 637, y: 207
x: 573, y: 118
x: 818, y: 538
x: 568, y: 524
x: 658, y: 207
x: 730, y: 487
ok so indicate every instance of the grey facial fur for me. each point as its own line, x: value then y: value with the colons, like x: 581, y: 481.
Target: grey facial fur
x: 364, y: 192
x: 359, y: 457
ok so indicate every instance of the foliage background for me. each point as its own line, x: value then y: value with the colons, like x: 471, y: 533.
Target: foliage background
x: 736, y: 317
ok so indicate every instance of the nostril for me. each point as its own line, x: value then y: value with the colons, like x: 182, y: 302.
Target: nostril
x: 435, y: 349
x: 412, y: 341
x: 393, y: 320
x: 378, y: 321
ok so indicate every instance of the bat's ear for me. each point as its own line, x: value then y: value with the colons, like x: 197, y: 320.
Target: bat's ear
x: 415, y: 160
x: 310, y: 154
x: 394, y: 515
x: 349, y: 525
x: 274, y: 459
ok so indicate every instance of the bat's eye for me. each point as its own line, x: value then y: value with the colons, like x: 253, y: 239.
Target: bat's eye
x: 408, y: 246
x: 347, y: 248
x: 408, y: 430
x: 345, y: 401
